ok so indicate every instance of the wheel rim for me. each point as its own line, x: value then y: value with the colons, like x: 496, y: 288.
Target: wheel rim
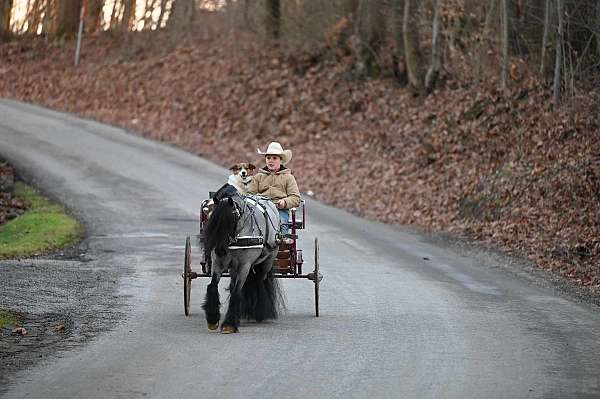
x: 187, y: 280
x: 317, y: 277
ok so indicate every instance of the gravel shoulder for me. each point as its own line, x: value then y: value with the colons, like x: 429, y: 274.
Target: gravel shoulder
x: 64, y: 301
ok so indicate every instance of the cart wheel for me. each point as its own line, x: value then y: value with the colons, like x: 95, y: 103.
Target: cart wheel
x: 317, y: 277
x: 187, y: 279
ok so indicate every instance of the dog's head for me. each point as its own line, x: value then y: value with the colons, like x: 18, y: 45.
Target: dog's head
x: 243, y: 170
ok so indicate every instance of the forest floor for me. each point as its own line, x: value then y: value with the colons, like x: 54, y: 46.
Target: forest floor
x: 501, y: 169
x: 11, y: 206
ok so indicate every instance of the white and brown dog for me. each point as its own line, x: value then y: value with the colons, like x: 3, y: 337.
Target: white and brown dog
x: 241, y: 176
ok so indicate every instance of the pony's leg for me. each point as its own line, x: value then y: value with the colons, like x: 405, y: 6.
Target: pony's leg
x: 212, y: 305
x: 231, y: 323
x: 269, y: 297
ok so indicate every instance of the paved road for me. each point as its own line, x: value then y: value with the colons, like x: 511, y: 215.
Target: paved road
x: 401, y: 315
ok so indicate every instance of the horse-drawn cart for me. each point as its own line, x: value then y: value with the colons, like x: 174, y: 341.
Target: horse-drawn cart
x: 288, y: 263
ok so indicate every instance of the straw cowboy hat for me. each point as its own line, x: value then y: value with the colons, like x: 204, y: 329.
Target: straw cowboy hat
x: 275, y: 148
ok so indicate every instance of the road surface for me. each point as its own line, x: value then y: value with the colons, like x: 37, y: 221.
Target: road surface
x: 402, y: 315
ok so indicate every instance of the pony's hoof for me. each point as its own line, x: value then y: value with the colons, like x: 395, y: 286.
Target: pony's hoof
x: 212, y: 327
x: 228, y: 330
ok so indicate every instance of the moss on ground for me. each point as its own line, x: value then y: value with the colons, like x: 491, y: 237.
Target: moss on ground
x: 8, y: 318
x: 43, y: 228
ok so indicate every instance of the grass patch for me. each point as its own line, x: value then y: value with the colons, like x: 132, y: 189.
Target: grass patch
x: 8, y: 318
x: 44, y: 227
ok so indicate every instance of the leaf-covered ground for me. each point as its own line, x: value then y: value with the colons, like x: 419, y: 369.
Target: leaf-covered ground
x: 11, y: 205
x: 504, y: 169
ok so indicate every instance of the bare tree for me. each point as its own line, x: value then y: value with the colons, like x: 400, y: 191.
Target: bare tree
x: 597, y: 28
x: 559, y: 54
x: 504, y: 41
x: 5, y: 9
x: 412, y: 50
x: 128, y: 21
x: 436, y: 59
x: 399, y: 57
x: 161, y: 17
x: 489, y: 18
x: 149, y: 8
x: 273, y: 19
x: 67, y: 18
x: 483, y: 42
x: 547, y: 14
x: 115, y: 13
x: 347, y: 24
x: 34, y: 16
x: 92, y: 17
x: 369, y: 36
x: 182, y: 15
x: 48, y: 24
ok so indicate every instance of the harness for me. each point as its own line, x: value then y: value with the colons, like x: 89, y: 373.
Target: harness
x: 252, y: 203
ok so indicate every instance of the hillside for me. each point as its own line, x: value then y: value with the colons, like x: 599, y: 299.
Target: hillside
x: 502, y: 169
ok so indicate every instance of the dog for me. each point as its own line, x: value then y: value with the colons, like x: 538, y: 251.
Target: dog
x: 241, y: 176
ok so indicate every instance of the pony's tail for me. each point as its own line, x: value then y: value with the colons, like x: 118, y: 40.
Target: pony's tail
x: 263, y: 299
x: 221, y: 227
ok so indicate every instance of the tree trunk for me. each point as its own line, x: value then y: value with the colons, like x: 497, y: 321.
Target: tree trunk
x: 597, y: 25
x: 128, y: 20
x: 347, y: 23
x: 489, y: 25
x: 149, y: 8
x: 436, y: 60
x: 161, y: 17
x: 92, y: 17
x: 273, y: 19
x: 5, y: 8
x: 547, y: 5
x: 414, y: 63
x: 399, y: 57
x: 114, y: 15
x: 559, y: 55
x: 371, y: 36
x: 505, y: 44
x: 350, y: 7
x: 67, y: 18
x: 34, y: 17
x: 49, y: 19
x: 182, y: 15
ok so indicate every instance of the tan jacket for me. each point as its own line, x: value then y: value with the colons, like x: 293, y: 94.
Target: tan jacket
x: 276, y: 185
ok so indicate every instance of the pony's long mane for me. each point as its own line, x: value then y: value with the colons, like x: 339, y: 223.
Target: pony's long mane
x: 221, y: 227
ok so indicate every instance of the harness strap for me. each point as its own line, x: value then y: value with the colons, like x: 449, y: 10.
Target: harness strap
x: 256, y: 204
x: 242, y: 242
x: 252, y: 203
x: 244, y: 247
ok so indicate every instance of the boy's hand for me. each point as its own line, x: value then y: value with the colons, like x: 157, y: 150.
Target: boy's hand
x: 281, y: 204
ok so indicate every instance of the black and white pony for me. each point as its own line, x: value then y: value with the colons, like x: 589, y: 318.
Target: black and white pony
x: 241, y: 237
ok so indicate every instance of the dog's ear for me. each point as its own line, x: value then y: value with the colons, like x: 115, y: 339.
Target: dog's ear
x: 234, y: 168
x: 251, y: 168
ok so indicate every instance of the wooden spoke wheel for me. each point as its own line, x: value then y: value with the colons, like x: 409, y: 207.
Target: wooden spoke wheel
x: 187, y: 276
x: 317, y: 277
